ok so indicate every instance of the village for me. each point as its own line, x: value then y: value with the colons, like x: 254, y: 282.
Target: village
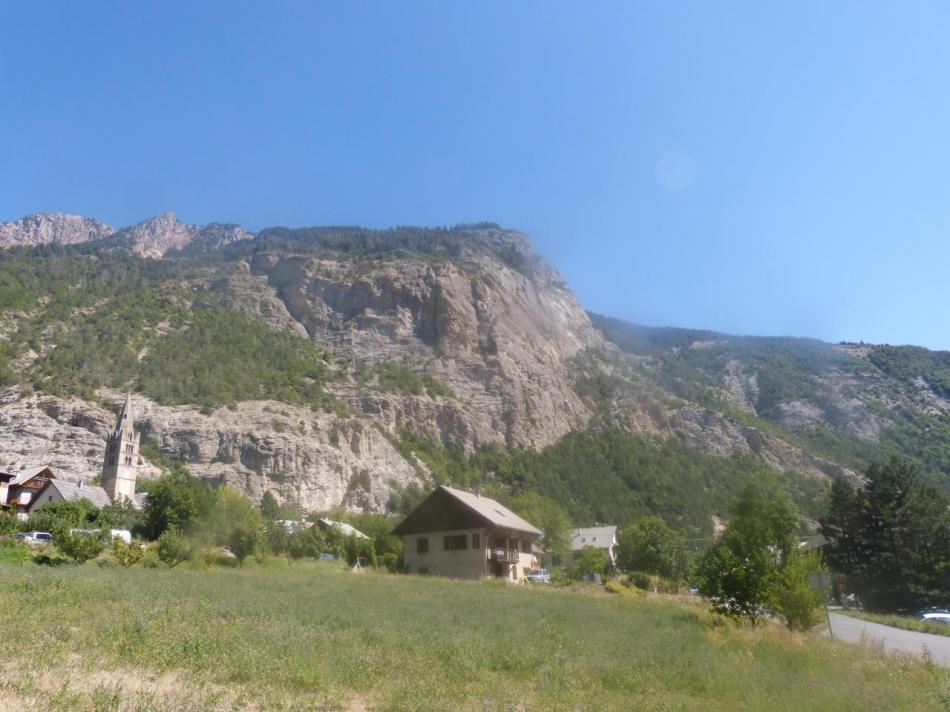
x: 452, y: 533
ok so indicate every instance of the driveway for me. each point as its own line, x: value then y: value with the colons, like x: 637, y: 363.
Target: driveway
x: 893, y: 640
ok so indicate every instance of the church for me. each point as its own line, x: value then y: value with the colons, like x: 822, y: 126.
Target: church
x: 29, y: 489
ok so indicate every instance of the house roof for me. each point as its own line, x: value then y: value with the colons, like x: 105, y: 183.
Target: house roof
x: 26, y: 474
x: 601, y: 537
x: 448, y: 508
x: 345, y: 528
x: 75, y: 491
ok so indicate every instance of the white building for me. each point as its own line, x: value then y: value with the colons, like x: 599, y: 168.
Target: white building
x: 603, y: 538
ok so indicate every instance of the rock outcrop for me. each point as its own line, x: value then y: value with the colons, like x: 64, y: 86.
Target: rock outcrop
x: 52, y: 229
x: 315, y: 461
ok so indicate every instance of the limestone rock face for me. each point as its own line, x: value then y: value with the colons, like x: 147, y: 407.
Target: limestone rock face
x: 68, y: 435
x: 52, y: 229
x: 502, y: 339
x: 313, y: 460
x: 159, y: 235
x: 151, y: 238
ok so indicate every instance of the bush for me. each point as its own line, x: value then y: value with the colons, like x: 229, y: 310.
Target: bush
x: 126, y: 555
x: 12, y: 552
x: 9, y: 524
x: 172, y: 548
x: 80, y: 546
x: 641, y: 580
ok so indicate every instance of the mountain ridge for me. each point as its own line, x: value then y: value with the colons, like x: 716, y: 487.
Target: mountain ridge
x: 463, y: 338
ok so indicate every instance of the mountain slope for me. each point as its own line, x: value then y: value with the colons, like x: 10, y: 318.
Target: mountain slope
x: 307, y: 362
x: 851, y: 403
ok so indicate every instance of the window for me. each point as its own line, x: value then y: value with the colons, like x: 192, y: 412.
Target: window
x: 455, y: 542
x: 422, y: 545
x: 475, y: 541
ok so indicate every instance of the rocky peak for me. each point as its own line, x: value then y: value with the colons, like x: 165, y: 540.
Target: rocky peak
x: 52, y: 229
x: 156, y: 236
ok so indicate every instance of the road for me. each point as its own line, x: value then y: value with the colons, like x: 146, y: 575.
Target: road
x: 894, y: 640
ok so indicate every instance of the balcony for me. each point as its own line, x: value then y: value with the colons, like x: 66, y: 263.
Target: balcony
x: 504, y: 556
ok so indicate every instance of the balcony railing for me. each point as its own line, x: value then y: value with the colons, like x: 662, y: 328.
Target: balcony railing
x: 504, y: 556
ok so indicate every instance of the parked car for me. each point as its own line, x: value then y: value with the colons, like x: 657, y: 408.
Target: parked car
x: 936, y: 618
x: 36, y: 538
x: 539, y: 576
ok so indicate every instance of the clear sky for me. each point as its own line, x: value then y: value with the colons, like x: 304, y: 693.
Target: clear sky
x: 759, y: 168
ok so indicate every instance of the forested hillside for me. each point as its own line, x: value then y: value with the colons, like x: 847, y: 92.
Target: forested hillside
x: 358, y: 367
x: 851, y: 403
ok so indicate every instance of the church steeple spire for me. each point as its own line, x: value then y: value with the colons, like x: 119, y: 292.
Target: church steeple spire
x: 120, y: 469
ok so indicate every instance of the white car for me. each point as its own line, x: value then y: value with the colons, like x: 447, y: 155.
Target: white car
x: 539, y: 576
x: 936, y: 618
x: 36, y: 538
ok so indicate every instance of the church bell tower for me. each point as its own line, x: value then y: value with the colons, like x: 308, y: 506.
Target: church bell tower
x: 122, y: 457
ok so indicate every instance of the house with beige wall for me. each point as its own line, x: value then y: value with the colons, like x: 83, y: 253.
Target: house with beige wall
x: 463, y: 535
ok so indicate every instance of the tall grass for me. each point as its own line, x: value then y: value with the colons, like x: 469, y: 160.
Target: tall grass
x: 315, y: 636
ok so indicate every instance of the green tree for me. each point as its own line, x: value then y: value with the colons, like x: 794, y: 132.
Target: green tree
x: 651, y: 545
x: 590, y: 561
x: 792, y: 596
x: 62, y: 516
x: 891, y: 538
x: 178, y: 500
x: 270, y: 509
x: 307, y: 543
x: 172, y: 547
x: 742, y: 571
x: 550, y: 518
x: 80, y: 546
x: 237, y: 522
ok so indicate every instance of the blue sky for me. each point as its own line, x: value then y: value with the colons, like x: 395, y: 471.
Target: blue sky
x: 758, y: 168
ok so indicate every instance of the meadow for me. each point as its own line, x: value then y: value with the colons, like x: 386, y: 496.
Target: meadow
x: 314, y: 635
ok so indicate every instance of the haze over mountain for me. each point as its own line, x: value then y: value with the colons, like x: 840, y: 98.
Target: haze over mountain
x: 350, y: 366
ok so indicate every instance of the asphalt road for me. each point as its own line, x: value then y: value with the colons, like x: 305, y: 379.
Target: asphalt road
x: 893, y: 640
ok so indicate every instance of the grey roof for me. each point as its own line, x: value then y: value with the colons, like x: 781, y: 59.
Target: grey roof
x: 601, y: 537
x: 28, y: 473
x: 346, y: 529
x: 497, y: 514
x: 75, y: 491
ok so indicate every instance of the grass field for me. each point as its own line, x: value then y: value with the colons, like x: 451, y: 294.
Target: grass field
x: 905, y: 622
x: 314, y: 636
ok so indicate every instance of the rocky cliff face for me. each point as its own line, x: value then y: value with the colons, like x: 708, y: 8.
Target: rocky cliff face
x: 162, y: 234
x: 316, y: 461
x: 52, y: 229
x: 150, y: 238
x: 501, y: 339
x: 465, y: 336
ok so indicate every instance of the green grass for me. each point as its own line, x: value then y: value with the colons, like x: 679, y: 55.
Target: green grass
x: 314, y: 636
x: 905, y: 622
